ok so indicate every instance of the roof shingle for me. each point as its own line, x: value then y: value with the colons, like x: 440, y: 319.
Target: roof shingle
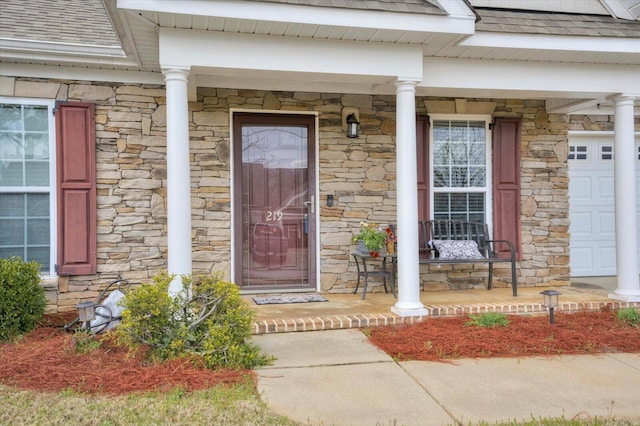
x: 550, y: 23
x: 63, y: 21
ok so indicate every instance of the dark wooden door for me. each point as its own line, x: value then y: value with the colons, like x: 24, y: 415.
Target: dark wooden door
x: 274, y: 183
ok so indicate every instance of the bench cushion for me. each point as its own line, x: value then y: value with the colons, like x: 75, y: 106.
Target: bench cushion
x: 457, y: 249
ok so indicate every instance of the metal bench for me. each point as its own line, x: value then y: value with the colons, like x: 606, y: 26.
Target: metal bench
x: 433, y: 232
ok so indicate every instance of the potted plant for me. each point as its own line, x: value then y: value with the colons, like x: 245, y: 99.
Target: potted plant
x: 371, y: 237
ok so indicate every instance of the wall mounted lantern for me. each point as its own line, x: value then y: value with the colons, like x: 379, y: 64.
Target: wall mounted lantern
x: 551, y: 301
x: 353, y: 126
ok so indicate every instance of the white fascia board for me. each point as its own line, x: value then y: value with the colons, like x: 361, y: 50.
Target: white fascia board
x: 532, y: 78
x: 288, y: 13
x: 63, y: 52
x: 85, y: 74
x: 618, y: 9
x: 455, y: 7
x: 554, y: 42
x: 188, y: 48
x: 52, y: 47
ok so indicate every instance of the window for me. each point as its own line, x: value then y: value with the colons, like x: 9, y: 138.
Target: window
x: 27, y: 204
x: 460, y: 170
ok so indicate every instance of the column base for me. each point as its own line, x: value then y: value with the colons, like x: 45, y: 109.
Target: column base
x: 625, y: 297
x: 417, y: 310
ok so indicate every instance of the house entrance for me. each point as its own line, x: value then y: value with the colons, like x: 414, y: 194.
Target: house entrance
x: 275, y: 209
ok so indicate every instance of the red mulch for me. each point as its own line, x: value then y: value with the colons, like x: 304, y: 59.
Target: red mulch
x: 46, y: 360
x: 443, y: 339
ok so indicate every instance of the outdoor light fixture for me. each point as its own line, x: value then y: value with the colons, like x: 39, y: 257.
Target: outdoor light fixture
x: 86, y: 313
x: 551, y: 301
x: 353, y: 126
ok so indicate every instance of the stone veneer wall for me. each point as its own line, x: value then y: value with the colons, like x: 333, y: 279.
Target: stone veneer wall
x: 544, y: 212
x: 360, y: 173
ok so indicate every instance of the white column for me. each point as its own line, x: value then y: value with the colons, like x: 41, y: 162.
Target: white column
x: 178, y: 176
x: 625, y: 202
x: 408, y: 303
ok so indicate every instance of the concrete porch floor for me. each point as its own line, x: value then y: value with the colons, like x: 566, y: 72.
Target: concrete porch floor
x: 350, y: 311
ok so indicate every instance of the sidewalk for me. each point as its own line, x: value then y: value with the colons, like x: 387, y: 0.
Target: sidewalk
x: 336, y: 377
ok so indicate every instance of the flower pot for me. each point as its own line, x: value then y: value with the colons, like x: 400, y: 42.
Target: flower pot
x: 362, y: 248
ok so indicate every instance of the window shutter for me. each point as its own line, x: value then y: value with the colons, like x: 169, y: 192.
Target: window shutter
x: 76, y: 188
x: 422, y: 154
x: 506, y: 184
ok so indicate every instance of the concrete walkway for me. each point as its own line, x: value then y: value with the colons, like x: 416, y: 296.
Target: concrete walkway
x: 336, y: 377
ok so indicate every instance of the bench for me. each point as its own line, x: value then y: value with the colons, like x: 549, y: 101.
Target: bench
x: 452, y: 241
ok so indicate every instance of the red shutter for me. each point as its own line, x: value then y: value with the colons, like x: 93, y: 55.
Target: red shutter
x: 422, y: 154
x: 506, y: 184
x: 76, y: 188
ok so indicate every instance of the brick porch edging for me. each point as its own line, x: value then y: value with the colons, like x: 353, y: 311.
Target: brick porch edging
x: 336, y: 322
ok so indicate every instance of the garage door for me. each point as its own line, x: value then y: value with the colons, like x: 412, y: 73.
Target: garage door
x: 591, y: 194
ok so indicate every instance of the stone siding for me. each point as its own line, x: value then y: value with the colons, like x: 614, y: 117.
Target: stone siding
x: 360, y: 173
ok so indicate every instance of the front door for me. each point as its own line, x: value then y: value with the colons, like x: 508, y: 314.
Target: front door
x: 274, y: 202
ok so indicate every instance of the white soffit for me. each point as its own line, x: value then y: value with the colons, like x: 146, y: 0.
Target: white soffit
x: 187, y: 48
x: 177, y: 13
x: 77, y: 73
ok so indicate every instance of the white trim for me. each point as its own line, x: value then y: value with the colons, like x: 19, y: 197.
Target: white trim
x: 51, y: 190
x: 316, y: 189
x: 477, y: 77
x: 618, y: 9
x: 209, y: 49
x: 60, y: 48
x: 488, y: 188
x: 553, y: 42
x: 309, y: 15
x: 76, y: 73
x: 595, y: 133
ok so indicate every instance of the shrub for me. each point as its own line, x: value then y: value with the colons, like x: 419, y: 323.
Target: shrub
x: 207, y: 318
x: 629, y: 316
x: 489, y: 320
x: 22, y: 300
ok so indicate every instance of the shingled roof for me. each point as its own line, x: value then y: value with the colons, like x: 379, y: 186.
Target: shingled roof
x: 69, y: 21
x: 550, y: 23
x: 407, y: 6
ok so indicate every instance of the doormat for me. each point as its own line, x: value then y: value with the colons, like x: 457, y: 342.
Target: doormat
x: 278, y: 300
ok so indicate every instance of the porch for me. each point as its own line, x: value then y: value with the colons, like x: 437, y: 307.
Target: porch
x: 350, y: 311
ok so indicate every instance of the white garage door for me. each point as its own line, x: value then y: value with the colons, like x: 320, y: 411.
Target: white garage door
x: 591, y: 194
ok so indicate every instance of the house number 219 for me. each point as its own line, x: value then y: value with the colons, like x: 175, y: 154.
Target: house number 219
x: 274, y: 216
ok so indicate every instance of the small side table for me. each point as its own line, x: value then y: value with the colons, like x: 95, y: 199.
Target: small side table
x: 388, y: 270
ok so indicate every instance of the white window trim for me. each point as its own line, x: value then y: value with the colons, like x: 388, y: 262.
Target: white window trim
x: 488, y: 155
x: 53, y: 237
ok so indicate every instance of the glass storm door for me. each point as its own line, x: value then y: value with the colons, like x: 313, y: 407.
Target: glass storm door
x: 274, y: 178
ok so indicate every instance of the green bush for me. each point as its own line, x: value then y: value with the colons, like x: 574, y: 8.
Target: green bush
x: 489, y: 320
x: 22, y: 300
x: 207, y: 318
x: 629, y: 316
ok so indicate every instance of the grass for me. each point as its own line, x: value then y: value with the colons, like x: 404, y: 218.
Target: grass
x: 488, y: 320
x: 235, y: 405
x: 629, y: 316
x: 562, y: 421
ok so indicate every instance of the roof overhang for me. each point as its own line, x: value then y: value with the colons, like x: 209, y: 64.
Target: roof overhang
x: 186, y: 13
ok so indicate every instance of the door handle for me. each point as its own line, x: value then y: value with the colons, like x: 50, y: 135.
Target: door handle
x: 311, y: 203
